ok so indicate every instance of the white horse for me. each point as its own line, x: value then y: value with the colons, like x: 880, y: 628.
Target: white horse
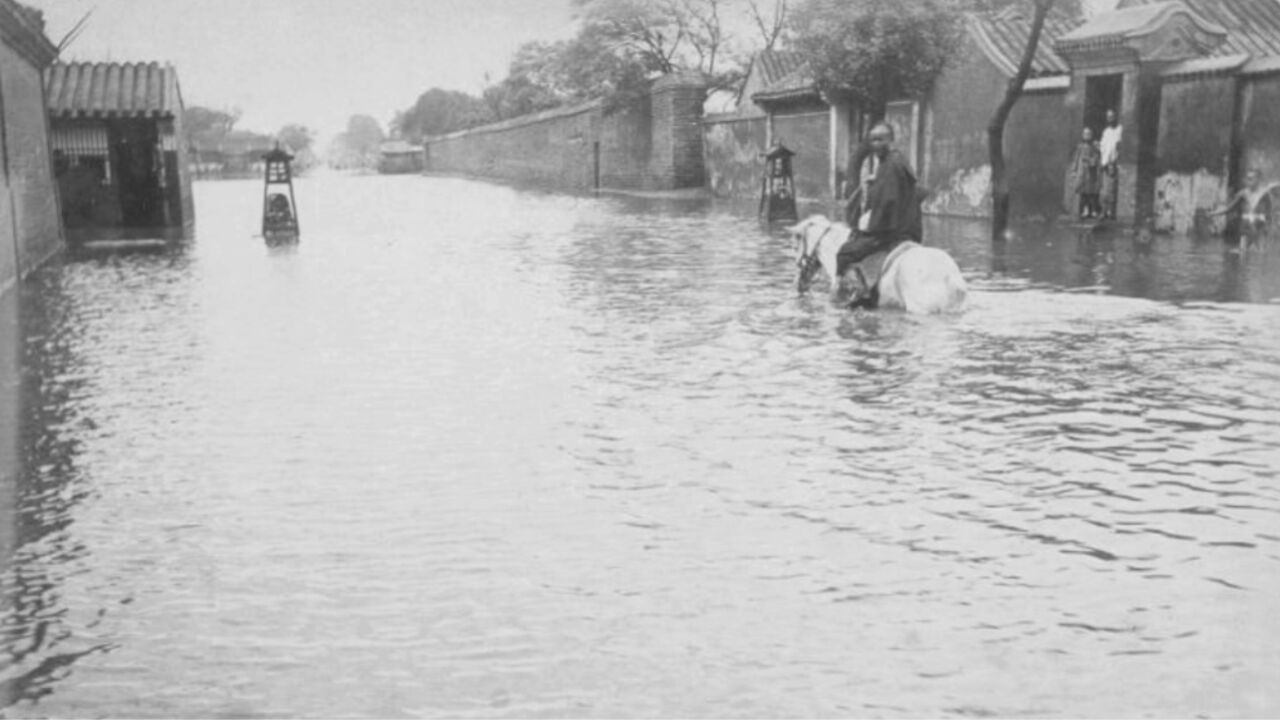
x: 912, y: 277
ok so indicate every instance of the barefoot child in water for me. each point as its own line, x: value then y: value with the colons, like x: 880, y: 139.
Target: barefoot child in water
x: 1252, y: 207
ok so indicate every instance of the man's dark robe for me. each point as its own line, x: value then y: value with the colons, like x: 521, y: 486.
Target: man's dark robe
x: 891, y: 199
x: 894, y: 205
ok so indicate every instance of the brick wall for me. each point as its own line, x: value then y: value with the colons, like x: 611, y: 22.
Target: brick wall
x: 651, y: 143
x: 29, y: 218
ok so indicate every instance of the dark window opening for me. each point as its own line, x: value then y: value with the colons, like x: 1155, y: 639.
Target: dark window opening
x: 1102, y: 93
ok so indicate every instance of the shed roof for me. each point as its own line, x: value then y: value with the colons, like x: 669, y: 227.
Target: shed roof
x: 1252, y: 26
x: 782, y: 75
x: 1003, y: 35
x: 773, y: 65
x: 87, y: 89
x: 398, y: 147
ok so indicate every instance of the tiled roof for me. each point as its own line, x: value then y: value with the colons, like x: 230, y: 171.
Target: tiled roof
x: 1130, y: 21
x: 1205, y: 66
x: 1003, y: 36
x: 773, y: 65
x: 1252, y: 26
x: 797, y: 84
x: 86, y: 89
x: 782, y: 75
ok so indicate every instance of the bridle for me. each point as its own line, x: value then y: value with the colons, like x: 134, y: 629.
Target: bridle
x: 808, y: 262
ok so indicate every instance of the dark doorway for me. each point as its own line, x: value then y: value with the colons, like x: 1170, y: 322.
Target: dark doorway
x: 134, y: 149
x: 1102, y: 93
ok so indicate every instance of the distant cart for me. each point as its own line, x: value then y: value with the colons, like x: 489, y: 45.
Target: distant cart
x: 399, y: 157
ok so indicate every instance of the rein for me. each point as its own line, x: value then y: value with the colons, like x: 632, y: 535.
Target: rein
x: 811, y: 258
x: 808, y: 262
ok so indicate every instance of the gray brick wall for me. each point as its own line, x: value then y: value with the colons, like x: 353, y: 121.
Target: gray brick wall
x: 30, y: 221
x: 653, y: 143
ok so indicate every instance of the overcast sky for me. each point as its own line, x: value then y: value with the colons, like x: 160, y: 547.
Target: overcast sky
x: 314, y: 62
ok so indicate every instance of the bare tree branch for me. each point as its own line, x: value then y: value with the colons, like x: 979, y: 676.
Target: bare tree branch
x: 771, y: 29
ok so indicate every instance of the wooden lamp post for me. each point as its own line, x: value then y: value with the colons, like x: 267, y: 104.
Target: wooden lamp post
x: 279, y: 211
x: 777, y: 187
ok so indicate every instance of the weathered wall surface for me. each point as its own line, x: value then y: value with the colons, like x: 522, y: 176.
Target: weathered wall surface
x: 29, y: 218
x: 553, y: 147
x: 732, y: 146
x: 653, y: 143
x: 808, y: 135
x: 957, y: 174
x: 1260, y: 127
x: 1193, y: 161
x: 1038, y: 142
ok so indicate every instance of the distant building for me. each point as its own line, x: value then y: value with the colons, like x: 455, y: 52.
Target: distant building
x: 398, y: 156
x: 121, y: 167
x: 1196, y: 85
x: 1198, y: 90
x: 29, y: 227
x: 238, y: 154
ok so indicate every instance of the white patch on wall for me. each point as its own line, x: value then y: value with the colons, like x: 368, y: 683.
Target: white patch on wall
x: 1180, y: 195
x: 968, y: 192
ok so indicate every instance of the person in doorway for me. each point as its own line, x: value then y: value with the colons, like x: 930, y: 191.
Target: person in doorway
x: 1250, y: 208
x: 888, y: 210
x: 1109, y: 147
x: 1085, y: 163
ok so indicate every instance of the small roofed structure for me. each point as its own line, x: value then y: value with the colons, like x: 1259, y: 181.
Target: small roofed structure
x: 398, y: 156
x: 121, y: 166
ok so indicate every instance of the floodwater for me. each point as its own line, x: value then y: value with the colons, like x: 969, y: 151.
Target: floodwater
x: 477, y: 451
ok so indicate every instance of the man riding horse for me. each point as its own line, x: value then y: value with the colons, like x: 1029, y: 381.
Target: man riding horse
x: 883, y: 211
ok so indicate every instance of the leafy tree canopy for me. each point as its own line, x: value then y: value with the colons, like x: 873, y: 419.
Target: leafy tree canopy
x: 438, y: 111
x: 363, y: 134
x: 296, y: 138
x: 206, y: 127
x: 873, y: 51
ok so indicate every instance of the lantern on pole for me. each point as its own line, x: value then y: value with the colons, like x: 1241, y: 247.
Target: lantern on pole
x: 279, y: 211
x: 777, y: 187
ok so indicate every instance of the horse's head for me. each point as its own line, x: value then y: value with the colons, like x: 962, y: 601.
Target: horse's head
x: 807, y: 237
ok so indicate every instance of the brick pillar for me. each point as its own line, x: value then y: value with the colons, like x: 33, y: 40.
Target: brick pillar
x: 676, y: 159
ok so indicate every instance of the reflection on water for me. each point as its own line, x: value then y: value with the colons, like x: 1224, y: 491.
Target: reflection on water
x: 476, y: 451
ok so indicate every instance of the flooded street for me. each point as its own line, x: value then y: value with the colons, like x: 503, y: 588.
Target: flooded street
x: 475, y: 451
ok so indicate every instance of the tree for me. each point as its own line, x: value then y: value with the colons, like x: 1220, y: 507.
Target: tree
x: 995, y: 129
x: 364, y: 134
x: 874, y: 51
x: 1072, y: 9
x: 296, y: 138
x: 662, y: 36
x: 530, y: 84
x: 770, y: 25
x: 206, y: 128
x: 647, y: 30
x: 438, y: 111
